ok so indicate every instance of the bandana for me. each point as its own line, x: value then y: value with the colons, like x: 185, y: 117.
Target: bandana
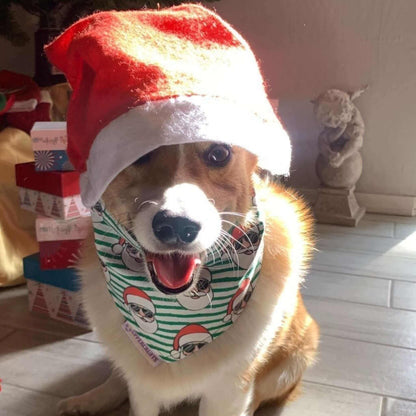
x: 167, y: 328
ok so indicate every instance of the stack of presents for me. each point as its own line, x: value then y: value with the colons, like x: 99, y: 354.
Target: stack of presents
x: 50, y: 187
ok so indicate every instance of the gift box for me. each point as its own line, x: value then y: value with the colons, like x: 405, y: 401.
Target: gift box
x: 49, y: 135
x: 54, y: 292
x: 49, y: 142
x: 51, y: 160
x: 59, y: 254
x: 52, y: 229
x: 52, y: 205
x: 56, y: 183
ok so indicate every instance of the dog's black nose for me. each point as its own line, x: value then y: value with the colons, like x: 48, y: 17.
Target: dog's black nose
x: 171, y: 229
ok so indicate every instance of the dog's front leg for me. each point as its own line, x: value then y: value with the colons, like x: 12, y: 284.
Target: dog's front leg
x: 103, y: 398
x: 227, y: 398
x: 142, y: 404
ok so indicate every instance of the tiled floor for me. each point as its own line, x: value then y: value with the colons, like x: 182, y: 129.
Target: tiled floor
x: 361, y: 290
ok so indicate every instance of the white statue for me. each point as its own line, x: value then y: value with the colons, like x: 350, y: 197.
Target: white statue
x: 339, y: 164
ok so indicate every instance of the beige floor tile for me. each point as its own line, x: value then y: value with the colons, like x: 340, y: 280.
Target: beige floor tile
x: 363, y: 322
x: 347, y: 287
x: 399, y: 408
x: 404, y: 231
x: 365, y: 227
x: 17, y: 401
x: 45, y: 363
x: 318, y: 400
x: 4, y: 332
x: 365, y: 367
x: 404, y: 295
x: 358, y: 243
x: 365, y: 264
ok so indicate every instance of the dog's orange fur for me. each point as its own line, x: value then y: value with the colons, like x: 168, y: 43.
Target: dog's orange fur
x: 289, y: 348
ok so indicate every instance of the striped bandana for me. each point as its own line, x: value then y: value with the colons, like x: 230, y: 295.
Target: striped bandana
x: 167, y: 328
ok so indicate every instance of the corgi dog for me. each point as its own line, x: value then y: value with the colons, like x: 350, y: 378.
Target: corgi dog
x: 178, y: 201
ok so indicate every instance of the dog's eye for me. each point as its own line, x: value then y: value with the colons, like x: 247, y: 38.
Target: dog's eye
x: 218, y: 155
x: 142, y: 160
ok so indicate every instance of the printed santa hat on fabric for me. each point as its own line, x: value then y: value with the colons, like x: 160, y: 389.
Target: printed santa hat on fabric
x: 239, y: 296
x: 191, y: 333
x: 137, y: 296
x: 143, y: 79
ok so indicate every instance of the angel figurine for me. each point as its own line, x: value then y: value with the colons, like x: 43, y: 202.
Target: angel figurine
x: 341, y: 139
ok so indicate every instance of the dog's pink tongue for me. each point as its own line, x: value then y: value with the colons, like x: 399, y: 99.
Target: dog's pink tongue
x: 175, y: 271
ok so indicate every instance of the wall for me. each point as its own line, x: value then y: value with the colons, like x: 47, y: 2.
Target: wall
x: 305, y: 47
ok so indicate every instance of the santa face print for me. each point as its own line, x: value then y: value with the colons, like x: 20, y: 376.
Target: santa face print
x: 105, y: 271
x: 130, y: 256
x: 191, y: 347
x: 245, y: 243
x: 97, y: 212
x: 201, y: 296
x: 144, y: 317
x: 141, y: 308
x: 239, y: 301
x: 189, y: 340
x: 240, y: 305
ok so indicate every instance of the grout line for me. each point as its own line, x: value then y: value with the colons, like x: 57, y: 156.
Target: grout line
x: 30, y: 389
x: 391, y: 294
x: 336, y: 300
x: 327, y: 247
x: 9, y: 334
x: 383, y: 406
x: 372, y: 393
x: 336, y: 269
x: 367, y: 342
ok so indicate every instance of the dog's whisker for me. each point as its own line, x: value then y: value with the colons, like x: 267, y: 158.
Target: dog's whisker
x: 239, y: 228
x: 237, y: 259
x: 149, y: 201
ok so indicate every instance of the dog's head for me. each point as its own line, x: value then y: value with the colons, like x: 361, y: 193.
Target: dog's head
x: 178, y: 201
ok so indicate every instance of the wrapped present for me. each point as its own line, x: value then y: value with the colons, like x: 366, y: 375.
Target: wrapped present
x: 50, y: 160
x: 52, y: 205
x: 53, y: 194
x: 54, y: 292
x: 59, y: 254
x: 52, y: 229
x: 49, y: 135
x: 56, y: 183
x: 49, y: 142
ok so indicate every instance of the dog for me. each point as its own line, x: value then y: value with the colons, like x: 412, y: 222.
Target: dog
x: 260, y: 359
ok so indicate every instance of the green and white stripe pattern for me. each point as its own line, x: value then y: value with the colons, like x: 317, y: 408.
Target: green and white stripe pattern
x: 171, y: 327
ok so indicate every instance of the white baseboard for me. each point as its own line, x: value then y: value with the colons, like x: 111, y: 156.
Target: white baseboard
x: 375, y: 203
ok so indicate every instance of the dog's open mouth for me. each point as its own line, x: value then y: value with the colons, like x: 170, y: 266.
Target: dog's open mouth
x: 172, y: 273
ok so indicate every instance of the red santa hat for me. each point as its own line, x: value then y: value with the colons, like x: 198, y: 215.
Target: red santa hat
x: 244, y: 288
x: 191, y: 333
x: 144, y: 79
x: 137, y: 296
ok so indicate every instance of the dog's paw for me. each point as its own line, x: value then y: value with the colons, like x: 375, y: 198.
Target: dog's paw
x: 75, y: 406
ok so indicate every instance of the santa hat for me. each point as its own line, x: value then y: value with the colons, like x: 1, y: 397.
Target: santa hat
x: 143, y: 79
x: 190, y: 333
x: 137, y: 296
x: 244, y: 288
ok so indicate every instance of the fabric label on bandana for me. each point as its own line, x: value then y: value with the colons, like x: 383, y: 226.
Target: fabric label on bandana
x: 171, y: 327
